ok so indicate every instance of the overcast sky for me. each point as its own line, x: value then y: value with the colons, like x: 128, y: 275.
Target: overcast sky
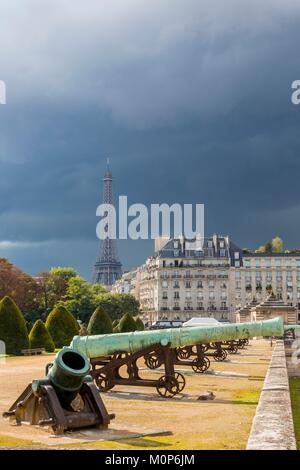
x: 190, y: 99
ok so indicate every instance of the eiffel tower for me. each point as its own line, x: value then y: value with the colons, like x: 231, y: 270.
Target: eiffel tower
x: 107, y: 268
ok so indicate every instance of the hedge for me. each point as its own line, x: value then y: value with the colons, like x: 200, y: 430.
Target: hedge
x: 13, y: 329
x: 62, y: 326
x: 126, y: 324
x: 139, y: 324
x: 100, y: 323
x: 39, y: 337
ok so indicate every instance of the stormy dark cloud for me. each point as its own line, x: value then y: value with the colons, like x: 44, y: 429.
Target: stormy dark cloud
x: 191, y: 99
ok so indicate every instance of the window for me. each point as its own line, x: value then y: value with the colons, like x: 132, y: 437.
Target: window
x: 176, y: 295
x: 165, y: 295
x: 223, y: 295
x: 176, y: 285
x: 247, y: 263
x: 199, y: 285
x: 221, y: 243
x: 222, y: 252
x: 188, y: 284
x: 237, y: 264
x: 210, y: 244
x: 211, y: 284
x: 238, y: 275
x: 248, y: 277
x: 236, y: 255
x: 298, y: 263
x: 176, y: 253
x: 211, y: 295
x: 175, y: 244
x: 165, y: 283
x: 278, y: 263
x: 268, y: 263
x: 188, y: 295
x: 257, y: 263
x: 238, y: 284
x: 200, y: 295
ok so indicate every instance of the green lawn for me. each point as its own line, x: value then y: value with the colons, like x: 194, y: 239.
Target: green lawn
x: 295, y: 399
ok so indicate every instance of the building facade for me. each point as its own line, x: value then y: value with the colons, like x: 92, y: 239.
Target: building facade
x: 178, y: 282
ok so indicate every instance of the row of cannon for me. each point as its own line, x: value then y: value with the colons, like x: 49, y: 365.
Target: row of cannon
x: 125, y: 368
x: 68, y: 397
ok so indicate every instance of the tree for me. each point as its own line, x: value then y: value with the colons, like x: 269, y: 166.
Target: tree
x: 13, y: 330
x: 117, y: 305
x: 100, y: 323
x: 65, y: 273
x: 127, y: 324
x: 19, y: 286
x: 62, y: 326
x: 261, y: 249
x: 40, y: 337
x: 81, y: 299
x: 52, y: 288
x: 277, y: 245
x: 139, y: 324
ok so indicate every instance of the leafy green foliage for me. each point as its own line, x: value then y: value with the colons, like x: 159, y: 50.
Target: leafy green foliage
x: 40, y: 337
x: 62, y: 326
x: 127, y: 324
x: 116, y: 305
x: 139, y: 324
x: 13, y: 330
x: 82, y: 298
x: 65, y: 273
x: 100, y: 323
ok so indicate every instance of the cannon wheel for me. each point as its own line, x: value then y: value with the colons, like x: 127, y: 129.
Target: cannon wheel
x: 103, y: 383
x: 233, y: 349
x: 182, y: 353
x: 168, y: 385
x: 180, y: 380
x: 152, y: 361
x: 220, y: 356
x: 200, y: 366
x: 246, y: 342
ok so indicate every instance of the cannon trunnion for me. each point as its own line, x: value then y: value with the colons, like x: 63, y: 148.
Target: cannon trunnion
x: 66, y: 399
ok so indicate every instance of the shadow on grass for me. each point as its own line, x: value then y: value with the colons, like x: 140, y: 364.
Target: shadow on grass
x: 143, y: 442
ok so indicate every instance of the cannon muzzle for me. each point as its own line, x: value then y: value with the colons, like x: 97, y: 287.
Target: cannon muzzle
x: 67, y: 374
x: 101, y: 345
x: 51, y: 401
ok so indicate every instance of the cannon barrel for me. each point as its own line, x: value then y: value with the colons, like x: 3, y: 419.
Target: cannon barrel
x: 67, y: 374
x: 101, y: 345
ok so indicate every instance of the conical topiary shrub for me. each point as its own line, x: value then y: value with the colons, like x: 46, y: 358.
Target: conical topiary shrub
x: 62, y: 326
x: 139, y: 324
x: 126, y: 324
x: 39, y: 337
x: 115, y: 323
x: 100, y: 323
x: 13, y: 330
